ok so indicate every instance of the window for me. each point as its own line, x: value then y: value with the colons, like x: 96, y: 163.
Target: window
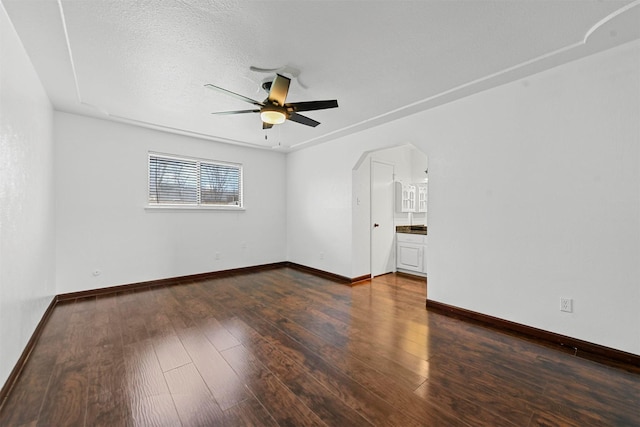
x: 179, y: 181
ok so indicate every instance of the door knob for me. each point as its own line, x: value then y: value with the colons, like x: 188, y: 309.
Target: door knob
x: 376, y: 225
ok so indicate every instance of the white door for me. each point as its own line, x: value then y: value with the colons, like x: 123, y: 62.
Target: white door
x: 382, y: 232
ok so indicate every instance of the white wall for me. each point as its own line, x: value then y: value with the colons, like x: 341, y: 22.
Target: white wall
x: 534, y: 194
x: 319, y: 208
x: 361, y: 217
x: 26, y: 199
x: 102, y: 223
x: 535, y: 190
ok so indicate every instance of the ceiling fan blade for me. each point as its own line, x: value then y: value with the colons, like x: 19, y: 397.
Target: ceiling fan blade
x: 264, y: 70
x: 235, y: 95
x: 299, y: 118
x: 266, y: 125
x: 312, y: 105
x: 236, y: 112
x: 279, y: 89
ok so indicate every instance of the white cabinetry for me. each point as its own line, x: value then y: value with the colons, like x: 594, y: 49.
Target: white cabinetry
x: 405, y: 197
x: 411, y: 252
x: 411, y: 197
x: 421, y: 203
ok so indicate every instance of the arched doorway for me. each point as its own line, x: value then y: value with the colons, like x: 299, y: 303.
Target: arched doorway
x: 409, y: 166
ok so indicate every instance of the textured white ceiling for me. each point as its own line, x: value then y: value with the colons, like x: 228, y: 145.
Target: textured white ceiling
x: 146, y: 62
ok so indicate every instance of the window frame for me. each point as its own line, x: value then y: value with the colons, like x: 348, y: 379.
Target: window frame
x: 198, y: 205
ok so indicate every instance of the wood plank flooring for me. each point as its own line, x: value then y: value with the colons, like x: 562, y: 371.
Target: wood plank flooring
x: 285, y: 348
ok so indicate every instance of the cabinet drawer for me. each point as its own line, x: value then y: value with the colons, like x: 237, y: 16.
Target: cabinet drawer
x: 410, y: 238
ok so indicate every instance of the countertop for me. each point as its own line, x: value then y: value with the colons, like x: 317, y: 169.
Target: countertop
x: 411, y: 229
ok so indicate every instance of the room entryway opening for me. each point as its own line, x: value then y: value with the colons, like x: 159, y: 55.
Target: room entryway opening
x: 381, y: 206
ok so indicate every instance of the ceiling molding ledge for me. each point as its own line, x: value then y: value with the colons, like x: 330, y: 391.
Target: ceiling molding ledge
x: 510, y: 74
x: 608, y: 18
x: 70, y: 53
x: 184, y: 132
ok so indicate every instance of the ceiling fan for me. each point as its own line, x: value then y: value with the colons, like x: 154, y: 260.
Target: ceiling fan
x: 274, y: 110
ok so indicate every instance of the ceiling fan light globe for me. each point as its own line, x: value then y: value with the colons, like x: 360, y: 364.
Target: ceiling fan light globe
x: 273, y: 117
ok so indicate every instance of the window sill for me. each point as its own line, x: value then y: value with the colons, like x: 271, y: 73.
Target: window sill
x: 193, y: 208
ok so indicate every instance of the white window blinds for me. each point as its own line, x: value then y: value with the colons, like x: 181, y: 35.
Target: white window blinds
x: 194, y: 182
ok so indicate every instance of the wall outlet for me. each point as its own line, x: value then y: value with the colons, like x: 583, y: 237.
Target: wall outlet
x: 217, y: 255
x: 566, y: 304
x: 321, y: 255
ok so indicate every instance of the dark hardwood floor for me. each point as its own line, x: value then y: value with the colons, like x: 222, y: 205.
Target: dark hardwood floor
x: 283, y: 347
